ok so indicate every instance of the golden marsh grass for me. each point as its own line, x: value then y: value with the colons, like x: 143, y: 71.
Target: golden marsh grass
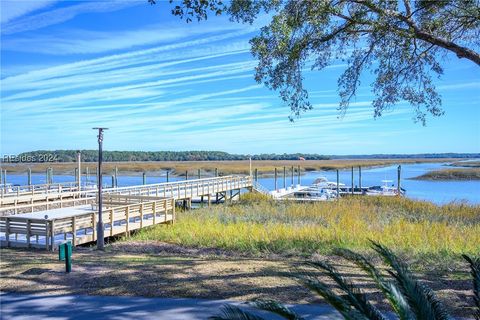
x: 257, y: 225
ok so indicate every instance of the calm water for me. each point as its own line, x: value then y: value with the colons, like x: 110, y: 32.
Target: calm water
x: 439, y: 192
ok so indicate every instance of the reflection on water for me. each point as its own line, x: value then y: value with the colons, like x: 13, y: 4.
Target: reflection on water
x: 439, y: 192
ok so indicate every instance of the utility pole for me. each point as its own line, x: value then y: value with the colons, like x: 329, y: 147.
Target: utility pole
x: 100, y: 236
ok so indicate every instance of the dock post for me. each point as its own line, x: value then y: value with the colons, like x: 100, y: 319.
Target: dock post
x: 199, y: 174
x: 209, y: 200
x: 352, y: 181
x: 216, y: 172
x: 360, y: 177
x: 299, y: 173
x: 116, y: 176
x: 256, y: 174
x: 50, y: 175
x: 113, y: 181
x: 29, y: 176
x: 79, y: 170
x: 293, y: 174
x: 186, y: 175
x: 168, y: 171
x: 338, y: 182
x: 1, y: 175
x: 46, y: 176
x: 284, y: 177
x: 276, y: 179
x: 399, y: 174
x: 144, y: 178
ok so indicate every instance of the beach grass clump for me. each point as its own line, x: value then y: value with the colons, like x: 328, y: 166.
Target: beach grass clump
x: 258, y: 225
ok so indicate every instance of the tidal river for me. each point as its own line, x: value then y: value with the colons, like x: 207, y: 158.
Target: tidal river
x: 439, y: 192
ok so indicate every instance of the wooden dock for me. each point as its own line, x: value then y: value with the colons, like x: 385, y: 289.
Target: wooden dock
x: 45, y: 222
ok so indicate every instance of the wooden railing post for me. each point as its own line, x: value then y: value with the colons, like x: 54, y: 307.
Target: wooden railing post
x: 29, y: 232
x: 52, y: 235
x: 94, y: 224
x: 74, y: 231
x: 154, y: 209
x: 7, y: 231
x: 127, y: 216
x: 141, y: 215
x: 111, y: 222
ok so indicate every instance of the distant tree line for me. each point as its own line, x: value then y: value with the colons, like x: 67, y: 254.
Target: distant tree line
x: 120, y: 156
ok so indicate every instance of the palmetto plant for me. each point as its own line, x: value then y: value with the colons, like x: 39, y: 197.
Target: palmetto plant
x: 410, y: 299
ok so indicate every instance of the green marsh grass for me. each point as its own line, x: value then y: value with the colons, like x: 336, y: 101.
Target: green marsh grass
x: 259, y: 225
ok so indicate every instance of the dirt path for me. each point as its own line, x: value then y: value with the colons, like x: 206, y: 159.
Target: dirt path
x: 162, y: 270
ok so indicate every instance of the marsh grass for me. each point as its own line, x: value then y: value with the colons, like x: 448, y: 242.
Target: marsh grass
x: 470, y: 173
x: 259, y: 225
x: 178, y: 168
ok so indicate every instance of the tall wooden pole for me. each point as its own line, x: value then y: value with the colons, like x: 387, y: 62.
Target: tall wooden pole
x: 116, y: 176
x: 29, y: 176
x: 168, y: 171
x: 338, y: 185
x: 399, y: 176
x: 284, y: 177
x: 293, y: 176
x: 352, y: 180
x: 216, y: 172
x: 256, y: 174
x: 79, y: 170
x: 144, y: 178
x: 199, y: 174
x: 360, y: 178
x: 186, y: 174
x: 299, y: 173
x: 275, y: 179
x: 46, y: 176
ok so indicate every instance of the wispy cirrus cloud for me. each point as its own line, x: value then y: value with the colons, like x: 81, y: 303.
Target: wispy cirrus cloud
x: 18, y: 22
x: 11, y: 10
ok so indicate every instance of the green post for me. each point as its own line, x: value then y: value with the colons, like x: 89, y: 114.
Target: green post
x: 29, y: 176
x: 65, y: 254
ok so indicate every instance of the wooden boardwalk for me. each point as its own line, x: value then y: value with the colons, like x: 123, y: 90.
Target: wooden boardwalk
x: 48, y: 222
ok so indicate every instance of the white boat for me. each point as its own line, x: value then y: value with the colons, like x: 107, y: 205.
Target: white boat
x: 323, y: 182
x: 384, y: 190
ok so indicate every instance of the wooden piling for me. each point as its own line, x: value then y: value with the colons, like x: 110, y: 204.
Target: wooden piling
x: 338, y: 187
x: 144, y: 178
x: 399, y: 176
x: 199, y: 174
x: 256, y: 174
x: 168, y: 171
x: 115, y: 173
x: 352, y: 181
x: 360, y: 177
x: 293, y: 178
x: 276, y: 179
x: 186, y: 175
x: 284, y: 177
x: 299, y: 173
x: 29, y: 176
x: 216, y: 172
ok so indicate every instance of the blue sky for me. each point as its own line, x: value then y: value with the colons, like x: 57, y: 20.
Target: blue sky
x: 159, y: 83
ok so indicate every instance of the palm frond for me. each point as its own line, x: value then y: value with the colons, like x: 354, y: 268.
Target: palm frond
x: 231, y: 312
x: 422, y: 300
x: 276, y: 307
x: 354, y: 296
x: 475, y: 272
x: 389, y: 289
